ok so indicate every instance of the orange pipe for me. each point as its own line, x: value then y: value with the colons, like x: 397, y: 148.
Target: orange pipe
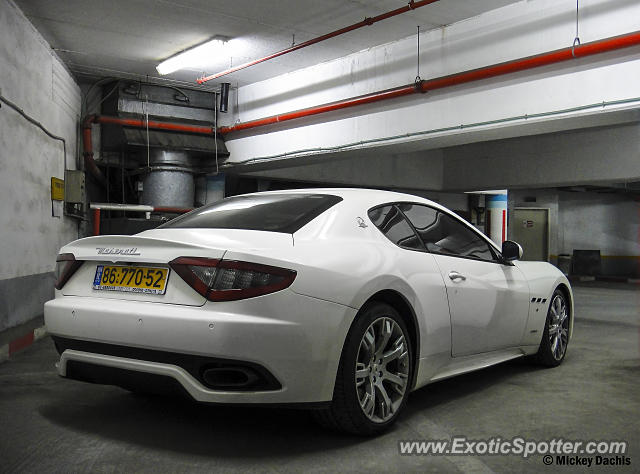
x: 90, y: 163
x: 531, y: 62
x: 140, y: 123
x: 175, y: 210
x: 96, y: 222
x: 366, y: 22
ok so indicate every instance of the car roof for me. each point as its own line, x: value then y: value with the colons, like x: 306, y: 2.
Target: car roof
x: 362, y: 196
x: 368, y: 198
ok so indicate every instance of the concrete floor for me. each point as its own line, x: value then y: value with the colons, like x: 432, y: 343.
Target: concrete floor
x: 49, y: 424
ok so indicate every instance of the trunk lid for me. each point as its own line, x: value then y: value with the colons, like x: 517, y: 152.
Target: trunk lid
x: 155, y: 249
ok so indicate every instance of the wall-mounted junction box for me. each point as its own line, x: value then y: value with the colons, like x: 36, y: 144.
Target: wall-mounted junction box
x: 74, y: 193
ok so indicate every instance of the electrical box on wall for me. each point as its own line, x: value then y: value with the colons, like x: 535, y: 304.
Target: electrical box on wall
x: 57, y: 196
x: 57, y: 189
x: 74, y: 193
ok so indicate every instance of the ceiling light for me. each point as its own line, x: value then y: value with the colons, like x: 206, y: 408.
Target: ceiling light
x: 193, y: 57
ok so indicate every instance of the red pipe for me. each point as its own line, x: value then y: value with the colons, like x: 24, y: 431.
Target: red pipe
x: 545, y: 59
x: 343, y: 104
x: 90, y: 163
x: 531, y: 62
x: 175, y: 210
x: 140, y: 123
x: 366, y: 22
x: 96, y: 222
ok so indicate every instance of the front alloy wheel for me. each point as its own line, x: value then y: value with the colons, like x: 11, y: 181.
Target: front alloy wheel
x: 555, y: 338
x: 374, y: 375
x: 558, y: 327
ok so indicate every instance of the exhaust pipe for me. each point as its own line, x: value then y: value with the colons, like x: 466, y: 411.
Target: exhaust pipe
x: 229, y: 378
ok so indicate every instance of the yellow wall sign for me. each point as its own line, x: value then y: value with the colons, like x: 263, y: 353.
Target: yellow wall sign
x: 57, y: 189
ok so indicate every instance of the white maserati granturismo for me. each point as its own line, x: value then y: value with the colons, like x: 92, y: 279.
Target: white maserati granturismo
x: 339, y: 300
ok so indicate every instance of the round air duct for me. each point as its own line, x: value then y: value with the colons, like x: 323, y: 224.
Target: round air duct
x: 170, y: 180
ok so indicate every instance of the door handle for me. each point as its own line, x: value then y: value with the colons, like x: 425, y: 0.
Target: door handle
x: 453, y: 275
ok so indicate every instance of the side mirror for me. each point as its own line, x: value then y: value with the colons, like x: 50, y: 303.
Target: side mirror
x: 511, y: 251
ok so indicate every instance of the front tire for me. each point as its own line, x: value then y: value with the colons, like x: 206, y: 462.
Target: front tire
x: 555, y: 337
x: 374, y: 375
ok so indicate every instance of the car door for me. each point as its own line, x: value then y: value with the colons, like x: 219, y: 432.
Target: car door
x: 488, y: 299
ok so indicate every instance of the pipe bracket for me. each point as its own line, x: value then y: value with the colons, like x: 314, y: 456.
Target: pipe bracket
x: 576, y: 42
x: 418, y: 85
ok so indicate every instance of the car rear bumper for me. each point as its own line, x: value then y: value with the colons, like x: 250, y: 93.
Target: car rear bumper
x: 291, y: 339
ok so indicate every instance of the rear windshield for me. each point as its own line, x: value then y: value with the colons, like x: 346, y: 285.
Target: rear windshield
x: 269, y: 212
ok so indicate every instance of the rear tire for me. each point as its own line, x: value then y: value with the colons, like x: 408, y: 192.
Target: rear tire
x: 374, y: 375
x: 555, y: 337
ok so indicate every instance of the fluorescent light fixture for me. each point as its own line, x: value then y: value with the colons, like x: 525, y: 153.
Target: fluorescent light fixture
x: 193, y: 57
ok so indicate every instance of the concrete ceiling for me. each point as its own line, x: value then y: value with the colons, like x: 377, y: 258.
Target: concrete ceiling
x: 128, y: 38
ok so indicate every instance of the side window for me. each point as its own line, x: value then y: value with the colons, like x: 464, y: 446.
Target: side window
x: 393, y: 225
x: 444, y: 234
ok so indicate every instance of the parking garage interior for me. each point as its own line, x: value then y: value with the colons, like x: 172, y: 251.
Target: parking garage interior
x: 521, y: 116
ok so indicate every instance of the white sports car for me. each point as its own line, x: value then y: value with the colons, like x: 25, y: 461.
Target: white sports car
x: 340, y: 300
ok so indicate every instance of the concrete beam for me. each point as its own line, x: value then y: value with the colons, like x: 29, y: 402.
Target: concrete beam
x: 419, y: 171
x: 590, y: 156
x: 595, y: 91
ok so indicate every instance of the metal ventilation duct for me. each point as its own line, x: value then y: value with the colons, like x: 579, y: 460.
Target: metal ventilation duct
x: 166, y: 160
x: 134, y: 99
x: 170, y: 182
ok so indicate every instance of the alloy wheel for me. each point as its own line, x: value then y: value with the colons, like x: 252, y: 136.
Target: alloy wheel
x: 558, y: 327
x: 382, y: 369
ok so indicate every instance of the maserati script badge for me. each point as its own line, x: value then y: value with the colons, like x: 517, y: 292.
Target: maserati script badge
x: 115, y: 251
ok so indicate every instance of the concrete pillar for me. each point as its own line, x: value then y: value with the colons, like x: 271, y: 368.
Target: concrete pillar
x: 497, y: 217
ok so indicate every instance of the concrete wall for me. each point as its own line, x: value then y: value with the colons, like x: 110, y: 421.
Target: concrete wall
x: 607, y: 222
x: 590, y: 221
x: 518, y: 104
x: 32, y: 77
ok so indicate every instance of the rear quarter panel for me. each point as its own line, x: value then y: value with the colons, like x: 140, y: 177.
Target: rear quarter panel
x: 343, y: 258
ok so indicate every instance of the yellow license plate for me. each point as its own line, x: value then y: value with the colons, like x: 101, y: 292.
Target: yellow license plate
x: 149, y: 280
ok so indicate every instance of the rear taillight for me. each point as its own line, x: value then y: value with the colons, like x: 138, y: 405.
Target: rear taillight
x: 66, y: 266
x: 229, y: 280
